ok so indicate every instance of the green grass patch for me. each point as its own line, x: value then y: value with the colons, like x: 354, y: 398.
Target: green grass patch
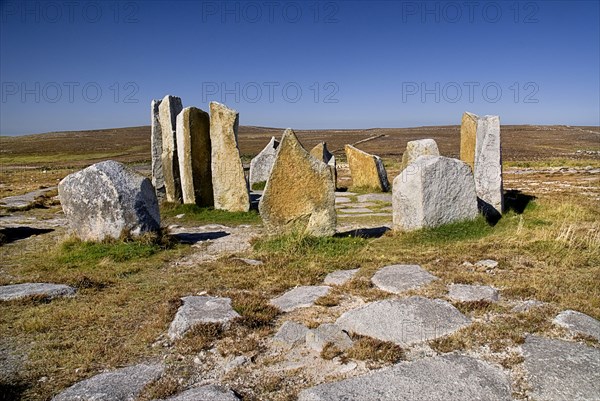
x: 75, y: 252
x: 453, y: 232
x: 298, y: 244
x: 259, y: 186
x: 208, y: 215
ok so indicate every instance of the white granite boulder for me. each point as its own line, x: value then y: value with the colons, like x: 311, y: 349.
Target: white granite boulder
x: 399, y: 278
x: 421, y: 147
x: 201, y: 309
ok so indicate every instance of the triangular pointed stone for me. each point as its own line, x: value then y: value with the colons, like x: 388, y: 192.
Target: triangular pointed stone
x: 300, y: 194
x: 261, y: 165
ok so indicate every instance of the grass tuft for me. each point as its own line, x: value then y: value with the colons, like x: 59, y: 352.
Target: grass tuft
x: 208, y: 215
x: 370, y: 349
x: 255, y: 310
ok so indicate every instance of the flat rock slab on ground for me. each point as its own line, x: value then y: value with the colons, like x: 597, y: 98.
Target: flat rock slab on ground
x: 399, y: 278
x: 16, y: 291
x: 404, y: 322
x: 382, y: 197
x: 300, y: 297
x: 340, y: 277
x: 487, y: 263
x: 211, y: 392
x: 561, y: 370
x: 201, y: 309
x: 342, y: 199
x: 24, y: 201
x: 354, y: 210
x: 316, y: 339
x: 120, y: 385
x: 291, y: 334
x: 449, y: 377
x: 578, y: 323
x: 472, y: 293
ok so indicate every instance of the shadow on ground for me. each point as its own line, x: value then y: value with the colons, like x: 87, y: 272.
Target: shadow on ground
x: 516, y: 200
x: 192, y: 238
x: 374, y: 232
x: 12, y: 234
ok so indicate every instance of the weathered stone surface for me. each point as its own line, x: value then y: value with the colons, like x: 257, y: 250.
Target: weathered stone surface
x: 261, y: 165
x: 421, y: 147
x: 16, y: 291
x: 561, y: 370
x: 480, y: 148
x: 291, y: 334
x: 25, y: 201
x: 400, y: 278
x: 300, y: 297
x: 300, y: 195
x: 169, y: 108
x: 404, y: 322
x: 525, y: 306
x: 432, y: 191
x: 119, y: 385
x: 158, y: 180
x: 193, y: 149
x: 385, y: 197
x: 211, y: 392
x: 367, y: 170
x: 316, y: 339
x: 471, y: 293
x: 578, y: 323
x: 201, y: 309
x: 449, y: 377
x: 230, y: 188
x: 108, y: 199
x: 320, y: 152
x: 487, y: 263
x: 340, y: 277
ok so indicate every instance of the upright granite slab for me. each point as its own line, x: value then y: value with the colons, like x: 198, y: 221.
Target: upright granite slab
x: 404, y: 321
x: 399, y: 278
x: 108, y: 200
x: 230, y: 188
x: 261, y: 165
x: 300, y: 194
x: 480, y: 147
x: 432, y: 191
x: 449, y: 377
x: 193, y: 149
x: 560, y: 370
x: 367, y: 170
x: 201, y: 309
x: 169, y: 108
x: 120, y: 385
x: 46, y: 290
x: 320, y: 152
x: 421, y: 147
x: 158, y: 180
x: 578, y: 323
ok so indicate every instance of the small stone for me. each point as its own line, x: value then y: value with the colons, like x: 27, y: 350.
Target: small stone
x: 261, y: 165
x: 433, y: 191
x: 229, y: 181
x: 300, y: 297
x: 200, y: 309
x: 251, y: 262
x: 17, y: 291
x: 367, y: 170
x: 578, y: 323
x: 487, y: 263
x: 561, y: 370
x: 180, y: 216
x: 236, y: 363
x: 316, y: 339
x: 119, y: 385
x: 291, y: 334
x: 399, y: 278
x: 210, y: 392
x: 168, y: 109
x: 527, y: 305
x: 340, y: 277
x: 421, y: 147
x: 472, y: 293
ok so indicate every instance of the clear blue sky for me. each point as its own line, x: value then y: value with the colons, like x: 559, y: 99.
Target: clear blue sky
x: 357, y: 64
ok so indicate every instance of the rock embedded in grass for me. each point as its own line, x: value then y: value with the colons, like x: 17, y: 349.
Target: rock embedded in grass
x: 487, y: 263
x: 211, y: 392
x: 198, y: 310
x: 291, y: 334
x: 399, y: 278
x: 472, y: 293
x: 300, y: 297
x: 340, y: 277
x: 578, y: 323
x: 46, y: 290
x: 327, y: 333
x: 108, y: 200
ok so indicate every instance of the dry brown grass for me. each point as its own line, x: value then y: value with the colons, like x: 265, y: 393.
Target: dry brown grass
x: 370, y: 349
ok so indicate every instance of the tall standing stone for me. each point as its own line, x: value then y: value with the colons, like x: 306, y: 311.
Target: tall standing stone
x: 168, y: 109
x: 421, y: 147
x: 320, y: 152
x: 156, y: 150
x: 367, y: 170
x: 261, y: 165
x: 480, y: 148
x: 300, y: 194
x: 432, y: 191
x: 230, y: 189
x: 193, y: 148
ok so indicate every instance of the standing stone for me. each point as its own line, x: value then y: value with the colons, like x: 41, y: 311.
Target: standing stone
x: 168, y: 110
x: 193, y: 144
x: 107, y: 200
x: 367, y: 170
x: 158, y: 179
x: 480, y: 148
x: 432, y: 191
x: 261, y: 165
x: 230, y: 189
x: 320, y: 152
x: 421, y: 147
x: 300, y: 194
